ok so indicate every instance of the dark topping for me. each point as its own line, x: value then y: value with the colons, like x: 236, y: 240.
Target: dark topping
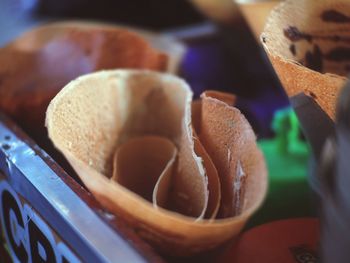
x: 294, y: 35
x: 334, y: 16
x: 338, y: 54
x: 293, y: 49
x: 313, y: 60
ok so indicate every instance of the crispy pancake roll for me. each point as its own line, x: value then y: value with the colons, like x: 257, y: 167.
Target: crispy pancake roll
x: 308, y: 43
x: 185, y: 175
x: 36, y: 65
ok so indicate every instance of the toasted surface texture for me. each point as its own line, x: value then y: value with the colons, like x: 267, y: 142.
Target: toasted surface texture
x: 125, y: 105
x: 308, y: 45
x: 110, y: 114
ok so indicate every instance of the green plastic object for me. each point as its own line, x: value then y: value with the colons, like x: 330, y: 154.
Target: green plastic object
x: 287, y: 156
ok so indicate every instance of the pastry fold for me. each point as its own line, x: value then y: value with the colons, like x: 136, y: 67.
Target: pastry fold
x: 185, y: 175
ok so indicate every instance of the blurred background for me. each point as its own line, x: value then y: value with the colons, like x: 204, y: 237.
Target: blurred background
x: 221, y: 50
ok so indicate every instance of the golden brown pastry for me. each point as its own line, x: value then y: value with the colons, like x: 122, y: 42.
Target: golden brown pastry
x: 39, y: 63
x: 186, y: 176
x: 308, y: 43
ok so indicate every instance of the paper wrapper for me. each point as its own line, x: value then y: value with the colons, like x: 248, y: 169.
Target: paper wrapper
x: 186, y: 176
x: 308, y: 43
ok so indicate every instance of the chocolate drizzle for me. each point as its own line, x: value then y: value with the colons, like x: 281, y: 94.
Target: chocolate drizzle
x: 338, y: 54
x: 334, y: 16
x: 315, y: 57
x: 293, y: 49
x: 313, y: 60
x: 294, y: 35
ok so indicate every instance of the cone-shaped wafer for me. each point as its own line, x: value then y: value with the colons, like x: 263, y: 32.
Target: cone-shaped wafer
x: 103, y: 42
x: 308, y: 43
x: 106, y: 112
x: 39, y: 63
